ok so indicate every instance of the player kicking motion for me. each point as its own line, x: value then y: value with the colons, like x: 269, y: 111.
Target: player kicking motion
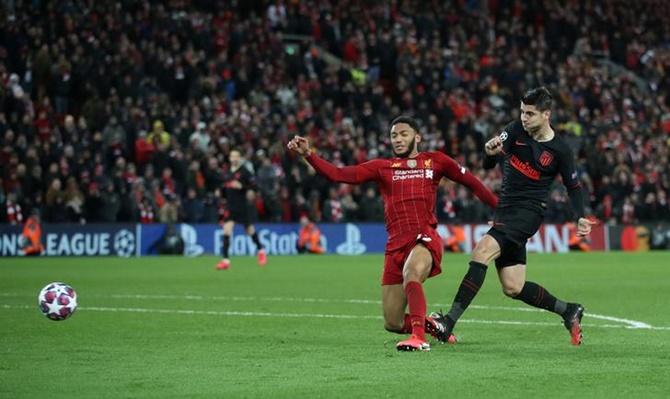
x: 531, y: 155
x: 408, y: 183
x: 237, y: 181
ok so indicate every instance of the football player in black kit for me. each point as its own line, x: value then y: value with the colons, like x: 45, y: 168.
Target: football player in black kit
x: 531, y: 154
x: 238, y: 181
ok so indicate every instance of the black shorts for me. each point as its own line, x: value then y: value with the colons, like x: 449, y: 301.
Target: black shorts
x: 240, y: 214
x: 512, y: 227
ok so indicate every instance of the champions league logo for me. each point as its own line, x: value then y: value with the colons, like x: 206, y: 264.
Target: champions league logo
x: 124, y: 243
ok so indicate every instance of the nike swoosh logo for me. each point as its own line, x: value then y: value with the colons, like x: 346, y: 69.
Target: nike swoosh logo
x: 520, y: 143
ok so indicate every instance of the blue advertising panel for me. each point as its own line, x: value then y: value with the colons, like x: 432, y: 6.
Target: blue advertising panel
x: 77, y: 240
x: 141, y: 239
x: 278, y: 239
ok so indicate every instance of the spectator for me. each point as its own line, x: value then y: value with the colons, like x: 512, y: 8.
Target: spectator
x: 111, y: 204
x: 309, y: 238
x: 56, y: 211
x: 194, y: 207
x: 200, y: 138
x: 74, y: 201
x: 332, y: 210
x: 169, y: 211
x: 372, y: 208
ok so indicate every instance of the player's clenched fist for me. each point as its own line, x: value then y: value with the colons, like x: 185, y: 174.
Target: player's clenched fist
x: 300, y: 145
x: 584, y: 227
x: 493, y: 146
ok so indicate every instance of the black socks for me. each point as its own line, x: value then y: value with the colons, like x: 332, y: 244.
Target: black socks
x: 472, y: 282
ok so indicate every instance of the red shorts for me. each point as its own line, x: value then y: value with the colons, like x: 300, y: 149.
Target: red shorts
x: 394, y: 261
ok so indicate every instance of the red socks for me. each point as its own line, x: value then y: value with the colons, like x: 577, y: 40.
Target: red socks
x: 416, y: 302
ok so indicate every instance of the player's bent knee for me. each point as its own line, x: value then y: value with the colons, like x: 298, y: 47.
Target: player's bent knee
x: 486, y: 250
x: 393, y: 327
x: 512, y: 290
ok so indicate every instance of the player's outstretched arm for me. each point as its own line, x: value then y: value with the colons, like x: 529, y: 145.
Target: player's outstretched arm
x: 452, y: 170
x: 349, y: 174
x: 571, y: 182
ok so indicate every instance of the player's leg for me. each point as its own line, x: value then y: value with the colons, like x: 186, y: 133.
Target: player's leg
x: 394, y: 303
x: 514, y: 285
x: 227, y: 233
x: 486, y: 250
x: 261, y: 255
x: 415, y: 271
x: 394, y: 299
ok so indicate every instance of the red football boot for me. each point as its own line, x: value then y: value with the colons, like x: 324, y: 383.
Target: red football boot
x: 224, y: 264
x: 413, y: 343
x: 262, y: 258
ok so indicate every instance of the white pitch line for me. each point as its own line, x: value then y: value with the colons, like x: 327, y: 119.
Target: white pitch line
x: 629, y: 323
x: 308, y: 315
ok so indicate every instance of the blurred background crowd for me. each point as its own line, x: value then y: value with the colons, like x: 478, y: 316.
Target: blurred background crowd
x: 115, y: 111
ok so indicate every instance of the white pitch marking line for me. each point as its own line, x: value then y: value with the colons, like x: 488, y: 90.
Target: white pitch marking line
x: 629, y: 323
x: 308, y: 315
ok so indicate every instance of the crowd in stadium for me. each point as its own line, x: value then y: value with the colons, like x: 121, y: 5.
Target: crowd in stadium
x: 127, y: 111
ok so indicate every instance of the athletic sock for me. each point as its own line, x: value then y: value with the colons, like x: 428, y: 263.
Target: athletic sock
x: 535, y: 295
x: 256, y: 241
x: 416, y: 301
x: 226, y: 245
x: 472, y: 282
x: 407, y: 326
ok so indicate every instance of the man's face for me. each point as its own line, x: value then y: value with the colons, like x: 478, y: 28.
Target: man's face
x: 532, y: 118
x: 234, y: 158
x: 403, y: 140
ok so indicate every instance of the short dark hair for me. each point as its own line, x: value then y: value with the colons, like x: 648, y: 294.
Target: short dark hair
x: 540, y: 97
x: 413, y: 123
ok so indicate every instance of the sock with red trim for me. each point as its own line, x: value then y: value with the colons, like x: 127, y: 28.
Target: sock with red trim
x: 416, y: 301
x: 535, y: 295
x: 472, y: 282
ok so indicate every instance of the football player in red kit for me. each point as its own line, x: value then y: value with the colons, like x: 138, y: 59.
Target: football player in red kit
x: 408, y: 183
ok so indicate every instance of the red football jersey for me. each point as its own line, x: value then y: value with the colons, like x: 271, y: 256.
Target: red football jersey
x: 408, y: 187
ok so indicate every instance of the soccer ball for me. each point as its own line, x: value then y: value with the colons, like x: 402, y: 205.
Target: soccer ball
x: 57, y: 301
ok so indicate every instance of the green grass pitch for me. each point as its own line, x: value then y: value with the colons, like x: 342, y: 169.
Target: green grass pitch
x: 310, y: 327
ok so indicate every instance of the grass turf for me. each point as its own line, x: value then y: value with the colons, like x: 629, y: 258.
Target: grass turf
x: 311, y: 327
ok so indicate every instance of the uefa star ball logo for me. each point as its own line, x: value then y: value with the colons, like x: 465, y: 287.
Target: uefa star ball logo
x: 124, y: 243
x: 57, y: 301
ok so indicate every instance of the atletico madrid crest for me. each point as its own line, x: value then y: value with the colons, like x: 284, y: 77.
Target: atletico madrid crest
x: 545, y: 158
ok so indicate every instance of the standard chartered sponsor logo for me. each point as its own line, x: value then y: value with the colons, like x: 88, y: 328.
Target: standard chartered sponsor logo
x: 412, y: 174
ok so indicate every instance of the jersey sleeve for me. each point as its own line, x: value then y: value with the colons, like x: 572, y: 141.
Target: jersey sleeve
x: 507, y: 136
x: 356, y: 174
x: 450, y: 169
x: 248, y: 178
x: 571, y: 181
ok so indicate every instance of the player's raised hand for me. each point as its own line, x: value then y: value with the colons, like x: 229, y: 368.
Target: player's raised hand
x: 300, y: 145
x: 584, y: 227
x: 493, y: 146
